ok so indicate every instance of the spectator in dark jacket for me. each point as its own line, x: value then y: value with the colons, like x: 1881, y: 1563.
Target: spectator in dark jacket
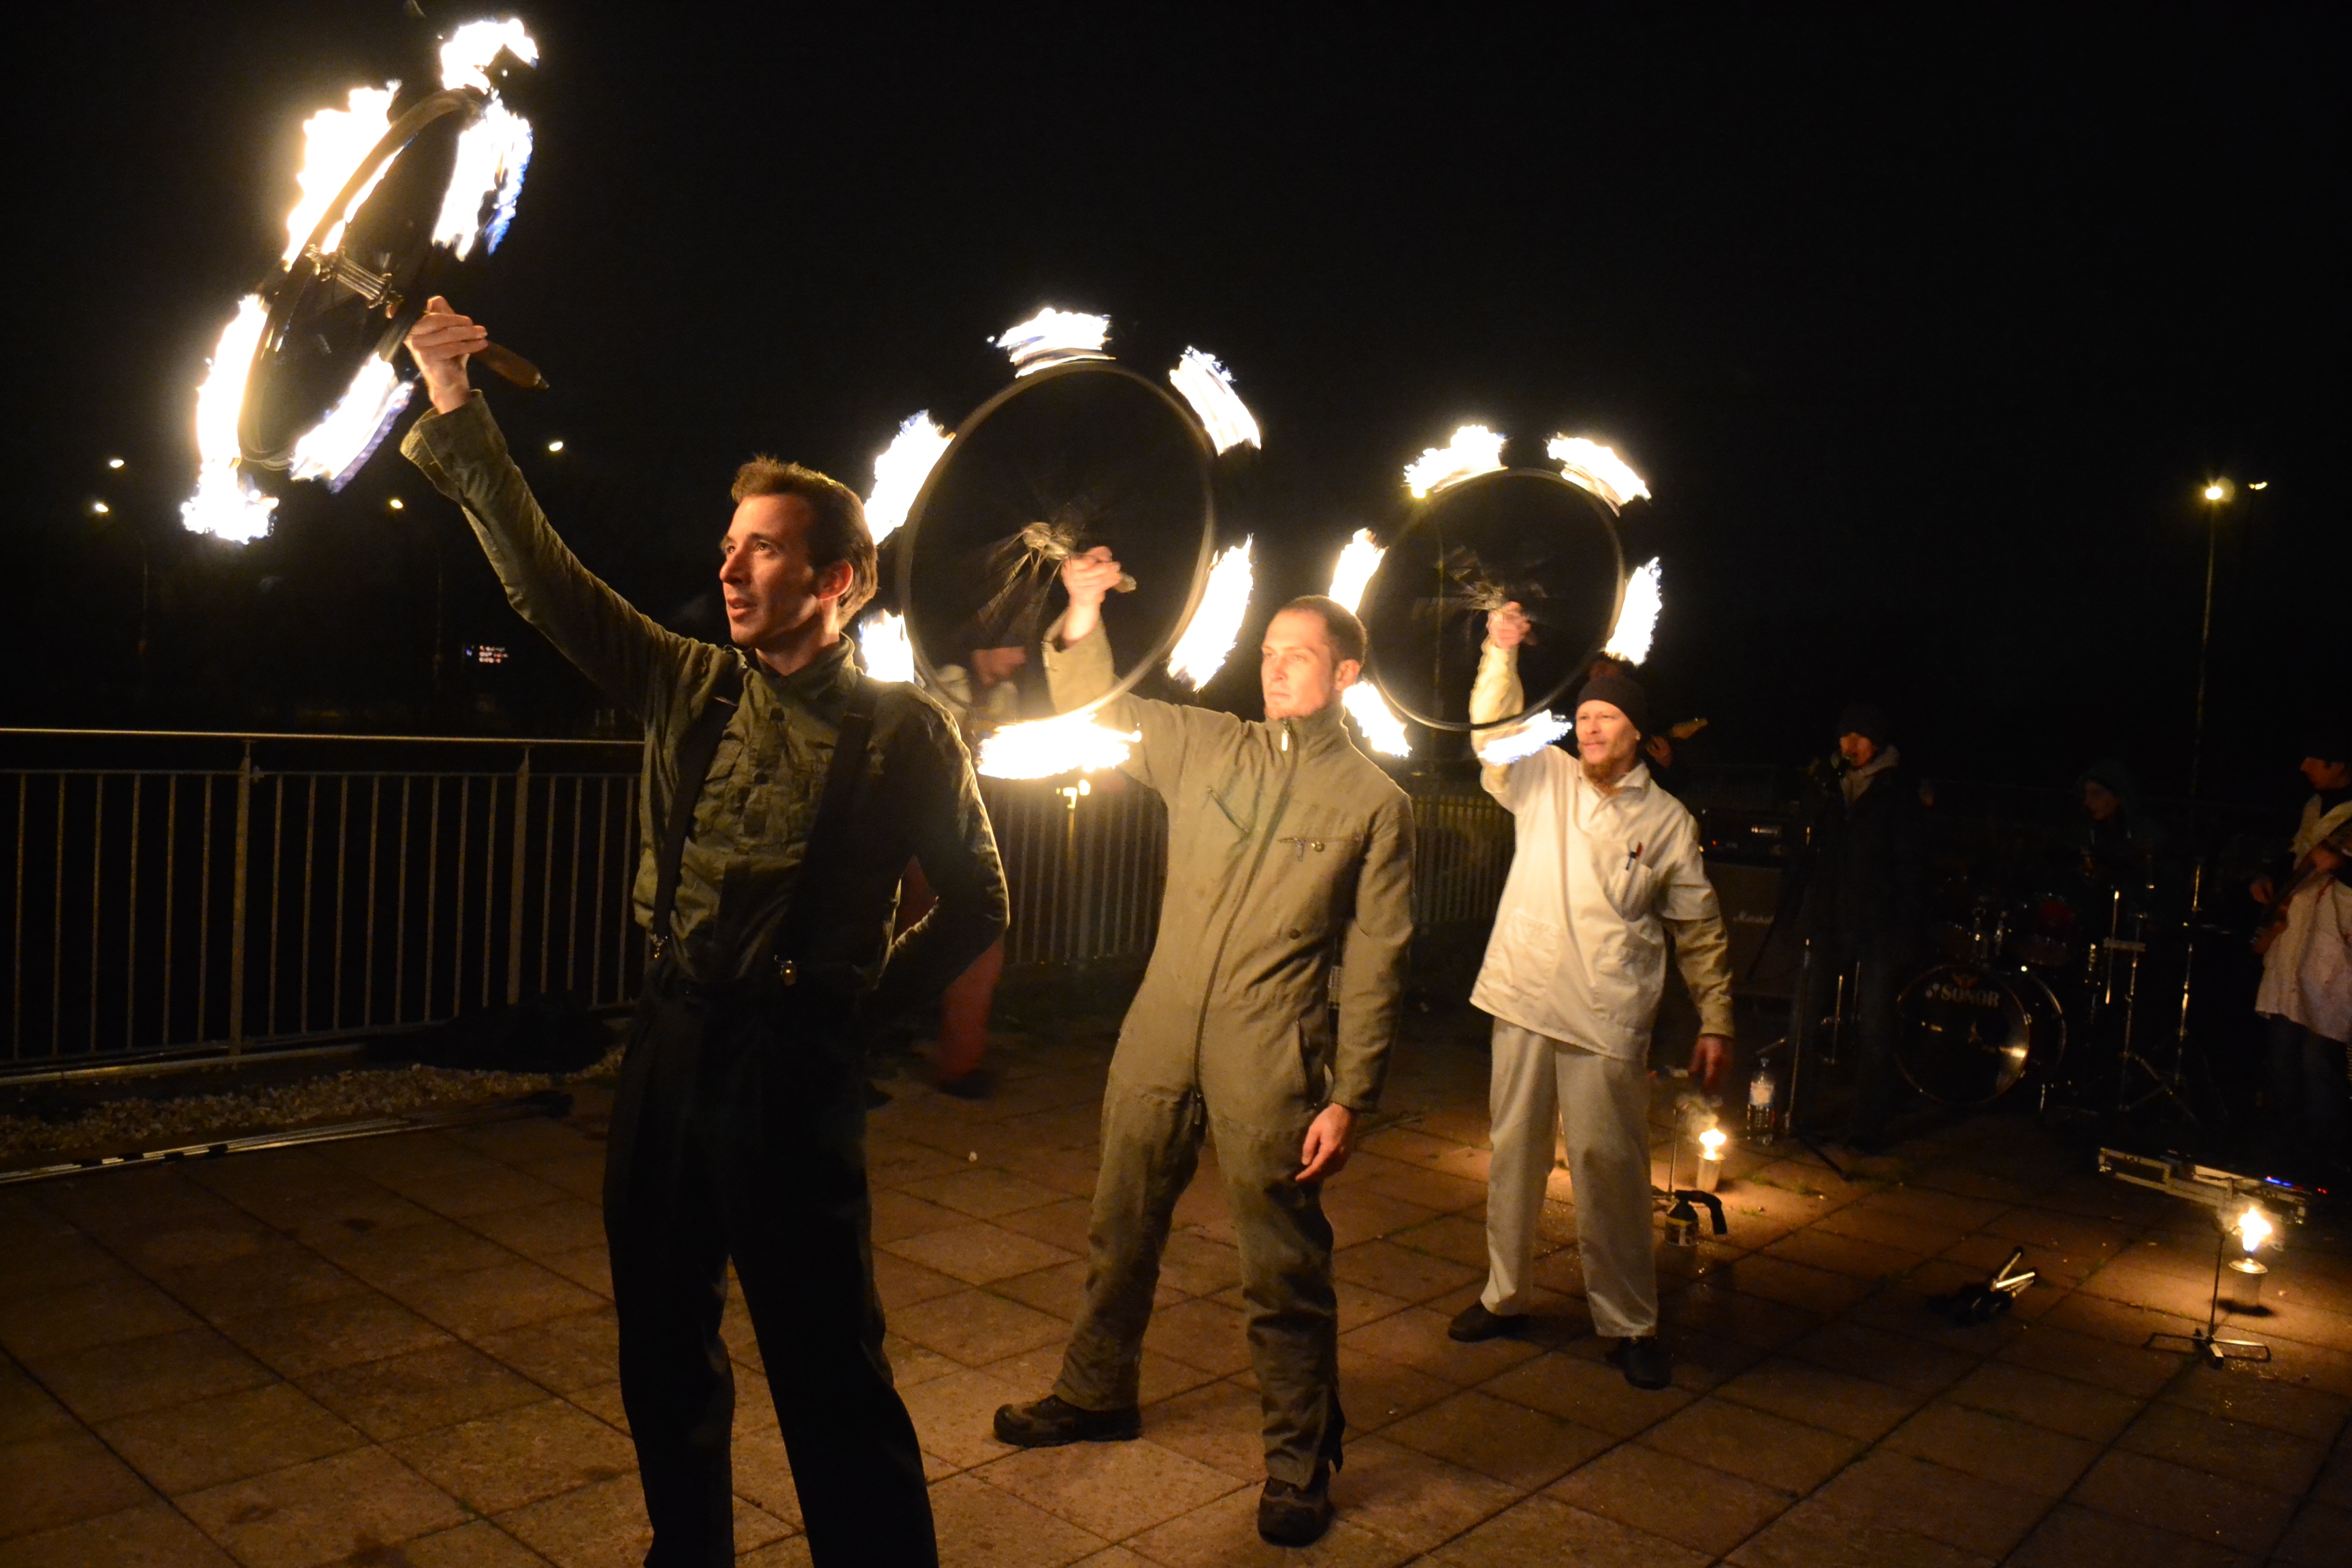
x: 1859, y: 878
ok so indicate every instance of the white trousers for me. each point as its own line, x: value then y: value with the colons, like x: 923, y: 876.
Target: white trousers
x: 1602, y: 1105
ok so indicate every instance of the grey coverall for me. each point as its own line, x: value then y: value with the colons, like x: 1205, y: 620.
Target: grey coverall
x: 1287, y: 850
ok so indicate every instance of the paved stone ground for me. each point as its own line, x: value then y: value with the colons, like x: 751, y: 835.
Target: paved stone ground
x: 400, y: 1351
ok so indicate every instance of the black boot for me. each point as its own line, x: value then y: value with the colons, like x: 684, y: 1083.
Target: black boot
x: 1294, y: 1516
x: 1050, y: 1423
x: 1644, y: 1361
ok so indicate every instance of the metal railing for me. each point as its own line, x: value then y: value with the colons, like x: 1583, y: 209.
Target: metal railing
x: 175, y: 894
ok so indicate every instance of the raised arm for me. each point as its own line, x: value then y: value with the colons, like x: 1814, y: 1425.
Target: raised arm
x: 461, y: 450
x: 1495, y: 693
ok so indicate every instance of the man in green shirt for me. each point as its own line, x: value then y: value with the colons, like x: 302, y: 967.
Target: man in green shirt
x: 738, y: 1132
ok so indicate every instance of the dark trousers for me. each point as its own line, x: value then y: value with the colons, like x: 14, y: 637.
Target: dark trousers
x: 1875, y: 978
x: 2303, y: 1095
x: 738, y: 1132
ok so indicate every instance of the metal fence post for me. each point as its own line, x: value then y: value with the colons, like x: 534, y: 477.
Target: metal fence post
x: 236, y: 902
x: 515, y: 882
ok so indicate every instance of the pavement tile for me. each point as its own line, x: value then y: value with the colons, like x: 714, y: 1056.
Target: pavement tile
x: 590, y: 1268
x: 983, y: 1527
x: 1398, y: 1271
x: 228, y: 1437
x: 1157, y: 1376
x: 2258, y: 1456
x: 978, y: 1253
x: 2060, y: 1403
x: 2320, y: 1537
x: 487, y: 1300
x: 1818, y: 1291
x: 1912, y: 1366
x: 102, y: 1312
x: 400, y: 1395
x: 602, y: 1525
x: 1818, y: 1247
x: 1061, y: 1224
x: 1223, y: 1534
x: 1521, y: 1448
x: 604, y: 1401
x: 1819, y: 1397
x: 2125, y: 1369
x: 1817, y: 1534
x: 565, y: 1354
x: 46, y: 1481
x: 1198, y: 1265
x: 902, y: 1284
x: 1697, y: 1507
x: 341, y: 1333
x: 150, y: 1535
x: 1544, y: 1530
x: 982, y: 1191
x: 2016, y: 1454
x: 542, y: 1230
x: 26, y: 1411
x: 1771, y: 1450
x: 1413, y: 1499
x: 322, y: 1511
x: 503, y: 1461
x: 1416, y: 1338
x: 898, y: 1215
x: 1377, y: 1392
x: 148, y: 1374
x: 1959, y: 1509
x: 1201, y: 1333
x: 386, y: 1258
x: 2242, y: 1392
x: 974, y: 1328
x: 2076, y: 1537
x: 1587, y: 1391
x: 281, y: 1277
x: 1218, y: 1424
x: 763, y: 1470
x: 1454, y: 1236
x: 952, y: 1415
x: 1712, y: 1306
x: 1111, y: 1490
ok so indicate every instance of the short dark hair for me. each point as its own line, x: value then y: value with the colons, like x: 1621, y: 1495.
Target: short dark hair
x: 1340, y: 627
x: 837, y: 529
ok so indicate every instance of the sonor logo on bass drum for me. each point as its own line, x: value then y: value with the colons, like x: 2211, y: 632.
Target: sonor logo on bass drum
x: 1964, y: 996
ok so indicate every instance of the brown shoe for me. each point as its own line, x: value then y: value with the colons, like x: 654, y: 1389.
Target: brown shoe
x: 1050, y: 1423
x: 1294, y: 1516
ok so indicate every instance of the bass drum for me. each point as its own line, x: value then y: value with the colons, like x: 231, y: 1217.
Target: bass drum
x: 1966, y: 1033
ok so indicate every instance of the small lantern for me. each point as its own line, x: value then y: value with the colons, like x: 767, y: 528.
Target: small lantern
x: 2255, y: 1229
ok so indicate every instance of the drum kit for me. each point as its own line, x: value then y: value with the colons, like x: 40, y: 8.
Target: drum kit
x: 2018, y: 980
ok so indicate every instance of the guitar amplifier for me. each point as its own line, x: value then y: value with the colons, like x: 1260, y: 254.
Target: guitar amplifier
x: 1763, y: 961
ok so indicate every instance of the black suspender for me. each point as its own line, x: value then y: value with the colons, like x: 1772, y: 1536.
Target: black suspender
x: 694, y: 755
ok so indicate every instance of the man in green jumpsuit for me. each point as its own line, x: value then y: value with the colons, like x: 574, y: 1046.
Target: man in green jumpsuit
x: 1289, y: 852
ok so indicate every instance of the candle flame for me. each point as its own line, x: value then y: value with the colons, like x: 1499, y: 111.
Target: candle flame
x: 899, y: 473
x: 1208, y: 386
x: 1358, y: 562
x: 1508, y: 744
x: 1210, y: 635
x: 1637, y: 619
x: 1591, y: 466
x: 1053, y: 337
x: 1474, y: 451
x: 2254, y: 1227
x: 1382, y: 728
x: 1043, y: 748
x: 883, y: 648
x: 1711, y: 1142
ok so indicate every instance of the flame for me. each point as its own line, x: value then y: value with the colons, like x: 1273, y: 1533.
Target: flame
x: 1055, y: 337
x: 1209, y: 636
x: 1358, y: 562
x: 1711, y: 1142
x: 334, y: 143
x: 1637, y: 619
x: 1593, y: 467
x: 485, y: 182
x: 1500, y: 747
x: 899, y: 473
x: 2254, y: 1227
x: 467, y: 54
x: 1042, y: 748
x: 1208, y: 386
x: 883, y: 648
x: 1474, y: 451
x: 225, y: 504
x: 1382, y: 730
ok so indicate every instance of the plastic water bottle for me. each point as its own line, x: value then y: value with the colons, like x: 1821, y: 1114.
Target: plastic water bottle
x: 1762, y: 1121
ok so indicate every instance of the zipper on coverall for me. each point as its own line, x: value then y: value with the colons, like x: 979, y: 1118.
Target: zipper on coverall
x: 1216, y: 964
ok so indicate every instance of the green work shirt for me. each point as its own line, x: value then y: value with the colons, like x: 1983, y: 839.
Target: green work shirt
x: 757, y: 804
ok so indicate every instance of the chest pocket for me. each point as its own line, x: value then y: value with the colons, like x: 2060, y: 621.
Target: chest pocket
x: 1631, y: 886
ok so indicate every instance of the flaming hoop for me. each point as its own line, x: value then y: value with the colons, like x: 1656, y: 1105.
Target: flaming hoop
x: 1482, y: 535
x: 302, y: 379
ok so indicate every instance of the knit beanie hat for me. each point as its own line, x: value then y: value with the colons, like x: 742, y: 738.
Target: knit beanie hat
x: 1621, y: 692
x: 1867, y: 720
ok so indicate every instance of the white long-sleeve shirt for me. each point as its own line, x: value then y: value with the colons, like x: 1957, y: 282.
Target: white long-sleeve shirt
x: 1599, y: 879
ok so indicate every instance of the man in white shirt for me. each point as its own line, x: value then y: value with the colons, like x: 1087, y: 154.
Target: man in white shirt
x: 1607, y: 865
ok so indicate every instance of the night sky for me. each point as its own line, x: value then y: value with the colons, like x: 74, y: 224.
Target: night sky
x: 1923, y: 327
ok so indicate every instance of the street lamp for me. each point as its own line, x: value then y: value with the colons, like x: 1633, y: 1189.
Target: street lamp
x: 2217, y: 494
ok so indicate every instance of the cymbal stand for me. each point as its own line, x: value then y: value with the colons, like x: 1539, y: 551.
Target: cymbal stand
x: 2164, y: 1084
x: 1800, y: 1034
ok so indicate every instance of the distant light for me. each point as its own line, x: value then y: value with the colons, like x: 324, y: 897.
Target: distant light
x: 2260, y: 485
x: 99, y: 507
x: 2218, y: 491
x: 396, y: 503
x: 555, y: 446
x: 117, y: 462
x: 487, y: 653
